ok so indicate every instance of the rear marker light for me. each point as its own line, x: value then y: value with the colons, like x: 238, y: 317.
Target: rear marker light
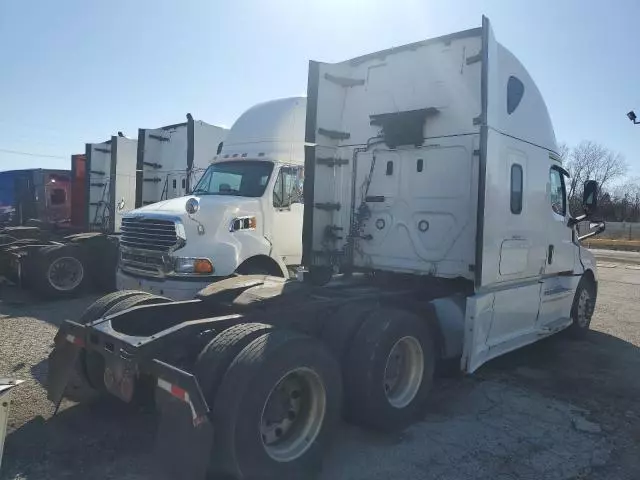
x: 75, y: 340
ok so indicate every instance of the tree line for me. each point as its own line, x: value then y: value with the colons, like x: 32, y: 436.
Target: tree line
x: 619, y: 195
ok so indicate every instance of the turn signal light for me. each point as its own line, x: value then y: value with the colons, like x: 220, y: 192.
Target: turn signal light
x: 202, y: 265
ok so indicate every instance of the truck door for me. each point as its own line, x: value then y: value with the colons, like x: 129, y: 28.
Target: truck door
x: 287, y: 215
x: 560, y: 247
x: 558, y: 280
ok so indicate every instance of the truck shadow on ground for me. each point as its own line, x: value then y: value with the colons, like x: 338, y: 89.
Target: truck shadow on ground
x: 17, y: 302
x: 514, y: 417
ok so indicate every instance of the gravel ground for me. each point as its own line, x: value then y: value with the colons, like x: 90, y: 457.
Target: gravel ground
x: 558, y: 409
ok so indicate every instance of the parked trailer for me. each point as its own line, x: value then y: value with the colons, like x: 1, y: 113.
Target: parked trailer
x: 171, y: 159
x: 432, y: 176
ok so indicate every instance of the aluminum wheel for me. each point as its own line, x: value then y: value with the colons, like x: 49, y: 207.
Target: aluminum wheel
x: 403, y: 372
x: 293, y: 415
x: 582, y: 309
x: 65, y: 273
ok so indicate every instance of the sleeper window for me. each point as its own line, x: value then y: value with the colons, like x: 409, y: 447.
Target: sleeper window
x: 516, y: 188
x: 515, y: 91
x: 557, y: 189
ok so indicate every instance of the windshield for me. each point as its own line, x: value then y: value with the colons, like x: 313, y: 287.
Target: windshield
x: 243, y: 178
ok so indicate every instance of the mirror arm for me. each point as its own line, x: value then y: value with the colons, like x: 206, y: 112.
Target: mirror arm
x: 573, y: 221
x: 601, y: 228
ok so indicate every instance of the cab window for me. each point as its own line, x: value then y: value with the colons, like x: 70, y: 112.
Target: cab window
x: 288, y: 187
x: 58, y: 196
x: 557, y: 192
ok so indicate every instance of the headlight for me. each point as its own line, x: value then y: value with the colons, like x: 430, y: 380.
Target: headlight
x: 243, y: 223
x: 193, y: 265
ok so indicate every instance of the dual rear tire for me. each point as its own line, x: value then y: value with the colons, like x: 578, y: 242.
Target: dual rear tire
x: 276, y: 396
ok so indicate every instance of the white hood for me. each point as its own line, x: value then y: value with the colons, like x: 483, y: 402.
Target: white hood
x: 208, y: 203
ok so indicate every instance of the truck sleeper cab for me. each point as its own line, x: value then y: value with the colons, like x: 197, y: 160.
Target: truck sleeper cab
x: 243, y: 216
x: 432, y: 181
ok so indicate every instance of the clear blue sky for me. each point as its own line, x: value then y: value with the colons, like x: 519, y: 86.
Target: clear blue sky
x: 77, y: 71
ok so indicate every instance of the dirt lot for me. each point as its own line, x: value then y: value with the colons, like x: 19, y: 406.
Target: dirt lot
x: 559, y: 409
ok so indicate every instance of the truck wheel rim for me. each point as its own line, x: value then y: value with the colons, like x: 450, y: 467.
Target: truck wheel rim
x: 403, y: 372
x: 583, y: 308
x: 65, y: 273
x: 293, y: 414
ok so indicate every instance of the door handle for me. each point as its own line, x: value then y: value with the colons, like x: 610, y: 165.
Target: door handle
x: 550, y: 255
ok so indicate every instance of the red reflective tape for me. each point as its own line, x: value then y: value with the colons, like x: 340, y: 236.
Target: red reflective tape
x: 179, y: 392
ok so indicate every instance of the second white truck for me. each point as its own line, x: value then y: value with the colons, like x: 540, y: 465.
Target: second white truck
x: 243, y: 216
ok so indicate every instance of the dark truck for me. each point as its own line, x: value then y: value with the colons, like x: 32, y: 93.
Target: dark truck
x: 42, y: 244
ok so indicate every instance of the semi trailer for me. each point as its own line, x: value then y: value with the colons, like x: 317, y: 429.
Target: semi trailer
x: 244, y: 216
x: 433, y: 182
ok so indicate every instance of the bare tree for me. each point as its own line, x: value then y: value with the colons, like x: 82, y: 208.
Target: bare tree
x: 563, y: 151
x: 592, y: 161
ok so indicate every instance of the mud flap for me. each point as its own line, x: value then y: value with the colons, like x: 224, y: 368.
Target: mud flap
x: 184, y: 439
x: 68, y: 342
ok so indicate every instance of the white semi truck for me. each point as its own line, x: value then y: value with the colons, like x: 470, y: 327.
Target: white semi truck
x: 432, y: 177
x: 243, y: 216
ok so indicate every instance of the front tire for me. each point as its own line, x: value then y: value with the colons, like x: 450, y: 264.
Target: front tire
x: 276, y: 408
x: 582, y: 309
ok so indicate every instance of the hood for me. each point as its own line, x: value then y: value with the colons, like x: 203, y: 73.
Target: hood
x: 176, y: 206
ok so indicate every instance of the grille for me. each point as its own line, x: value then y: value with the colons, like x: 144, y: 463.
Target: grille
x: 148, y: 234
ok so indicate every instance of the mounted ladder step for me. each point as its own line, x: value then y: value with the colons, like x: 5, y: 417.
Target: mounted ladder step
x: 152, y: 165
x: 154, y: 180
x: 332, y: 162
x: 334, y: 134
x: 159, y: 138
x: 97, y: 172
x: 327, y: 206
x: 98, y: 184
x: 103, y: 150
x: 344, y: 81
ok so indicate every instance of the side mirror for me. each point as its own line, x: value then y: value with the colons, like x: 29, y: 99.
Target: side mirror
x: 590, y: 197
